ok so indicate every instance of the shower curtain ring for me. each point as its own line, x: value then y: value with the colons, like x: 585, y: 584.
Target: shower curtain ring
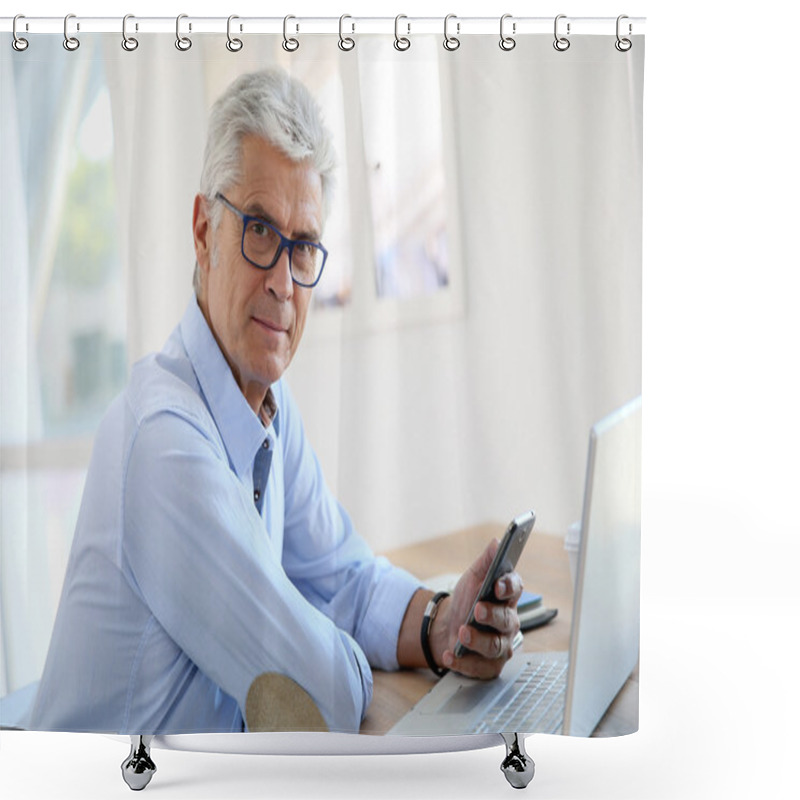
x: 70, y: 42
x: 346, y: 42
x: 507, y: 42
x: 233, y: 44
x: 623, y: 44
x: 290, y: 44
x: 182, y: 42
x: 19, y: 44
x: 129, y: 43
x: 401, y: 42
x: 561, y: 43
x: 451, y: 42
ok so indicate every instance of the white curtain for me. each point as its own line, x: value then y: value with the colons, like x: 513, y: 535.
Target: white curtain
x: 448, y: 401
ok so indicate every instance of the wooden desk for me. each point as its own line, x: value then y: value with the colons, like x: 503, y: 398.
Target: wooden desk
x: 545, y: 569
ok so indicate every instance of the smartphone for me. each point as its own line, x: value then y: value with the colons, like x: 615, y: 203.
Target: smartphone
x: 505, y: 560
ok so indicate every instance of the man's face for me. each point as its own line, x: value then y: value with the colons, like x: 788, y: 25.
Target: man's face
x: 257, y: 316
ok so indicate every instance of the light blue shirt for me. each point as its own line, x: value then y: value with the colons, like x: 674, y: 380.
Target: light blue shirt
x: 209, y: 550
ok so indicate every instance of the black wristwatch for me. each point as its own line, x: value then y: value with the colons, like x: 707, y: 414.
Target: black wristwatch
x: 425, y: 633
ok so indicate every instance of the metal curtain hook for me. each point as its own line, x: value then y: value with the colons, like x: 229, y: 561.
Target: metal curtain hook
x: 233, y: 44
x: 182, y: 42
x: 346, y: 42
x: 561, y: 43
x: 129, y: 43
x: 451, y: 42
x: 70, y: 42
x: 623, y: 44
x: 18, y: 43
x: 289, y: 44
x: 507, y: 42
x: 401, y: 42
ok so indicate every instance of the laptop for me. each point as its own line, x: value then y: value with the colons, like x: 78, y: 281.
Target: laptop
x: 568, y: 692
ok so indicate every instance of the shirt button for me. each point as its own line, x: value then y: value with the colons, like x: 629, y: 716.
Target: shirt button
x: 266, y: 444
x: 256, y: 494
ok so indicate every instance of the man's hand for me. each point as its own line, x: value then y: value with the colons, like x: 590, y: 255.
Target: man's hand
x: 489, y: 650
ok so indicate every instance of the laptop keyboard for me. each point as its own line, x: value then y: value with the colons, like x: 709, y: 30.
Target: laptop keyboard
x: 533, y: 703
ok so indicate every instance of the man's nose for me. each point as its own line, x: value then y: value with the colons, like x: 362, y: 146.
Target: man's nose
x: 278, y: 279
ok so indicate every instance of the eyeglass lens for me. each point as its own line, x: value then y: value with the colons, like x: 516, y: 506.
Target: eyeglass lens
x: 262, y: 244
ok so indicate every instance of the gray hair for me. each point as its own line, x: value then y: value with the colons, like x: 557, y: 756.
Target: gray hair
x: 275, y: 107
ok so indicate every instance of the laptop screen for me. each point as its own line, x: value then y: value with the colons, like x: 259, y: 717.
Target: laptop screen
x: 604, y: 642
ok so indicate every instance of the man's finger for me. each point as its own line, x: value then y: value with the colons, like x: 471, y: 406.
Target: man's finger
x: 509, y: 587
x: 486, y: 644
x: 500, y: 616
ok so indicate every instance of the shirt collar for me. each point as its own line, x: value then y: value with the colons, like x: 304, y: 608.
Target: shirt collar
x: 242, y: 431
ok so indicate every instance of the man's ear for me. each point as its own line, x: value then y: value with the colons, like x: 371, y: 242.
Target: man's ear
x: 201, y: 227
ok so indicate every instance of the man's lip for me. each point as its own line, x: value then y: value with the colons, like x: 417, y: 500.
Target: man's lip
x: 270, y: 325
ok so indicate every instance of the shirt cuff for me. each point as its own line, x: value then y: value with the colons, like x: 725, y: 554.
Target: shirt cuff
x: 394, y: 588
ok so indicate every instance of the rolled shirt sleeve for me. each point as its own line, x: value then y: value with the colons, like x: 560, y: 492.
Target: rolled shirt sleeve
x: 328, y: 561
x: 195, y: 550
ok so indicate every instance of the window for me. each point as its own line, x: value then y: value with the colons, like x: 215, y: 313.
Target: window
x: 392, y: 219
x: 69, y: 316
x: 79, y: 320
x: 403, y: 144
x: 63, y: 328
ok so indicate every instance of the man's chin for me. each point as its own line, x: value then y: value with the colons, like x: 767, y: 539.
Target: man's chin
x: 272, y: 370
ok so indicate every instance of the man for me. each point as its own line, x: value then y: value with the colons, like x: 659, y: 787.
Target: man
x: 209, y: 554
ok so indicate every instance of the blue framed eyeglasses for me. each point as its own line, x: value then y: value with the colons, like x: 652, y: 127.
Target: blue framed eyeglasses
x: 263, y: 243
